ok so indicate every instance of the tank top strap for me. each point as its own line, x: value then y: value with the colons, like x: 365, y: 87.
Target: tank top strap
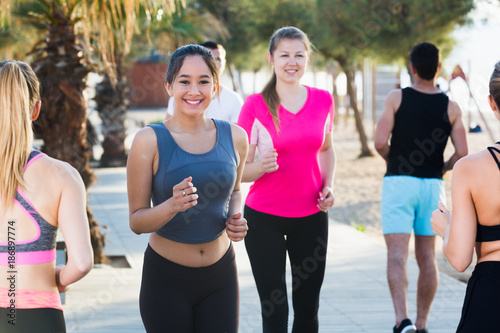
x: 33, y: 156
x: 166, y: 143
x: 166, y: 148
x: 491, y: 149
x: 225, y: 138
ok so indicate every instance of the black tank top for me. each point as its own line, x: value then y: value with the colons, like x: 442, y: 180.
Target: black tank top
x: 489, y: 233
x: 421, y: 130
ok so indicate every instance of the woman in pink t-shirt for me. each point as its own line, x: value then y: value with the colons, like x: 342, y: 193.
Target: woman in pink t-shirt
x: 290, y: 126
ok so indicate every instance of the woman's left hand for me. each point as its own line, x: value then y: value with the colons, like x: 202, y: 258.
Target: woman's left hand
x: 326, y: 199
x: 236, y: 227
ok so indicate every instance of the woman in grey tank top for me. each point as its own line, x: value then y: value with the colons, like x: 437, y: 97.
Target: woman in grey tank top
x: 191, y: 168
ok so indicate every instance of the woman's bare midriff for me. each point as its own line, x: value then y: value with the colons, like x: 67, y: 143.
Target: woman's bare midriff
x: 190, y: 255
x: 488, y: 251
x: 32, y: 277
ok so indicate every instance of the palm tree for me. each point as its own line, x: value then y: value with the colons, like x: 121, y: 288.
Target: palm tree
x: 62, y: 62
x: 166, y: 29
x: 16, y: 39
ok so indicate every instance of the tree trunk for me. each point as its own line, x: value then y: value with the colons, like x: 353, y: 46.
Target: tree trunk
x: 232, y: 70
x: 365, y: 150
x: 334, y: 72
x: 62, y: 64
x: 112, y: 103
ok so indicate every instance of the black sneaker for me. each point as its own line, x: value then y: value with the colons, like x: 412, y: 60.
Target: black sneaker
x: 406, y: 326
x: 423, y: 330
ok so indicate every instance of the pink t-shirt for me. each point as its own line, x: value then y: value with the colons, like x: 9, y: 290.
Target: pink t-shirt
x: 293, y: 190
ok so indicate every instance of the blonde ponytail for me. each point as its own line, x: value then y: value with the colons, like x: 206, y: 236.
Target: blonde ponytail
x: 19, y: 91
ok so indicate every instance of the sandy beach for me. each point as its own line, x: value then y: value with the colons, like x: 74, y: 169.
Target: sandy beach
x: 358, y: 184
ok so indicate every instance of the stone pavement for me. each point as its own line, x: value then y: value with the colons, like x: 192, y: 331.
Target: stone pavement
x: 355, y: 296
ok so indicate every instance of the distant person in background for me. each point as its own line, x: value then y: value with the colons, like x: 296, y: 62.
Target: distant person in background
x: 228, y: 104
x: 475, y: 223
x: 38, y: 195
x: 287, y: 207
x: 418, y: 121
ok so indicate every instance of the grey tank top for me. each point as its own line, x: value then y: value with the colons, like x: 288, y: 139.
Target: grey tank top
x: 214, y: 175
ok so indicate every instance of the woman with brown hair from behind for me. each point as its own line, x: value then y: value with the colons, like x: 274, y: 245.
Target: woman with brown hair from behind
x: 475, y: 223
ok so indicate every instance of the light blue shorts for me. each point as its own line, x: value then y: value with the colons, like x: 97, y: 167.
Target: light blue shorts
x: 408, y: 203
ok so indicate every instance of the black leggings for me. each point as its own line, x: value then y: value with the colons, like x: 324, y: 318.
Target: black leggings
x: 267, y: 242
x: 481, y: 309
x: 42, y: 320
x: 180, y: 299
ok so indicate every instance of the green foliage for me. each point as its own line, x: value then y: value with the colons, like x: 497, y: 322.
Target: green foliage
x: 412, y: 22
x: 189, y: 23
x: 386, y: 29
x: 252, y: 22
x: 16, y: 37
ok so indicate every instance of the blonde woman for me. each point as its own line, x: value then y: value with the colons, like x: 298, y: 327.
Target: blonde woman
x: 38, y: 195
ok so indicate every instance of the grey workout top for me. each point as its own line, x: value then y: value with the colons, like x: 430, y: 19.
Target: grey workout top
x: 214, y: 175
x: 40, y: 249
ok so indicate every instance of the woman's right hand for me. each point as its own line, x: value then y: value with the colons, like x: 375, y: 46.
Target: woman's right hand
x: 60, y: 287
x: 440, y: 219
x: 184, y: 195
x: 268, y: 161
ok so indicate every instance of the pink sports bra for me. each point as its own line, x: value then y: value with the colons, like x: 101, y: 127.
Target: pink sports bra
x: 41, y: 248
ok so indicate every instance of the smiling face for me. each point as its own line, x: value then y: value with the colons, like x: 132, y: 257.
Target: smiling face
x: 290, y: 60
x: 193, y: 87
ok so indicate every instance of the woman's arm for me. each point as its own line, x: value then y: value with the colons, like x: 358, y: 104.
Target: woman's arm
x: 236, y: 226
x: 458, y: 229
x: 140, y: 167
x: 327, y: 163
x: 74, y: 225
x: 267, y: 159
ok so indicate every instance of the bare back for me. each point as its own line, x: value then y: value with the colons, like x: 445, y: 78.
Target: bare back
x: 56, y: 192
x: 43, y: 191
x: 485, y: 192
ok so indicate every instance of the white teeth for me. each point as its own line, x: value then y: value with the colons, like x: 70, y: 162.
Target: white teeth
x: 193, y: 102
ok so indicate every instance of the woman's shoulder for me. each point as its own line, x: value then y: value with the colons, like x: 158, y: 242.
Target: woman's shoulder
x: 319, y: 93
x: 61, y: 169
x: 56, y: 173
x: 146, y: 136
x: 254, y: 106
x: 254, y: 98
x: 473, y: 163
x: 238, y: 133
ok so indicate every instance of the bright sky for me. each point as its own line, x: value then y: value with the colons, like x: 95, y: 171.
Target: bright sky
x: 477, y: 51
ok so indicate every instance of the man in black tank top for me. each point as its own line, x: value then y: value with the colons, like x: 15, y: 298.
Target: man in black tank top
x: 411, y: 136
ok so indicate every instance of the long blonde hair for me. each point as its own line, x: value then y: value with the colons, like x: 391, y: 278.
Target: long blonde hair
x: 269, y: 93
x: 19, y: 92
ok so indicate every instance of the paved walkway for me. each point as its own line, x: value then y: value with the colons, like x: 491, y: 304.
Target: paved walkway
x: 355, y: 296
